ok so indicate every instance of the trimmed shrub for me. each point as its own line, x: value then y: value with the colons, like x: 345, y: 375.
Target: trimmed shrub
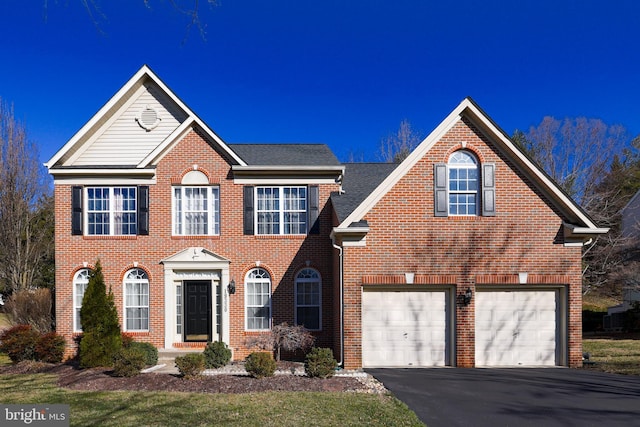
x: 127, y: 339
x: 320, y: 363
x: 260, y: 364
x: 216, y: 355
x: 128, y: 362
x: 190, y: 365
x: 19, y: 343
x: 31, y: 307
x: 101, y: 338
x: 149, y: 351
x: 50, y: 348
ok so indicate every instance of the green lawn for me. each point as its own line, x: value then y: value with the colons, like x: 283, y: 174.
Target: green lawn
x: 201, y: 409
x: 620, y: 356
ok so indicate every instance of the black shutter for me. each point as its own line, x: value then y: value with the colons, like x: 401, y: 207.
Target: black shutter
x: 248, y: 210
x: 489, y: 189
x: 440, y: 191
x: 314, y: 209
x: 143, y: 210
x: 76, y: 211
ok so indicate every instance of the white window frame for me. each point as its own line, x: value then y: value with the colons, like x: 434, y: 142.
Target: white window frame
x: 81, y: 278
x: 282, y: 210
x: 257, y: 277
x: 471, y: 163
x: 133, y: 277
x: 212, y: 210
x: 309, y: 276
x: 112, y: 210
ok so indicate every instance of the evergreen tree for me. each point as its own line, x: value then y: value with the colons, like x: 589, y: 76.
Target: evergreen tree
x: 101, y: 337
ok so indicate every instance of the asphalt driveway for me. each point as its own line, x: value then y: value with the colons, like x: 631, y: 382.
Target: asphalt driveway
x: 515, y: 396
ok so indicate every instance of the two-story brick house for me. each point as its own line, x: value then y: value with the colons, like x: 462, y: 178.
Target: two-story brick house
x: 464, y: 254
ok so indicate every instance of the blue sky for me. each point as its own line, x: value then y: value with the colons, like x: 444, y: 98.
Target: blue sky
x: 339, y: 72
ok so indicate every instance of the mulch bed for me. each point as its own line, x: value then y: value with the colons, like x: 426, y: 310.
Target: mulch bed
x: 100, y: 379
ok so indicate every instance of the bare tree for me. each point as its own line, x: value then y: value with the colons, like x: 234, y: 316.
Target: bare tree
x: 583, y: 156
x: 576, y: 153
x: 25, y: 240
x: 395, y: 147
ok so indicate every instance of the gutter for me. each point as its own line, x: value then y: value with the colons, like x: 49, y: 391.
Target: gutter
x: 341, y: 280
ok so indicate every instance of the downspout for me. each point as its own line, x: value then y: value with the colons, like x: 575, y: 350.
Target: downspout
x: 341, y: 279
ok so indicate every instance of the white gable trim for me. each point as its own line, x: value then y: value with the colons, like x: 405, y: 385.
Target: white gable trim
x: 469, y: 109
x: 124, y: 94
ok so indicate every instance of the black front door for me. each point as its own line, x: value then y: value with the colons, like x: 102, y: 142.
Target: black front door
x: 198, y: 310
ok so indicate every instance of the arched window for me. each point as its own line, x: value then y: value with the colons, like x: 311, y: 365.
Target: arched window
x: 308, y: 296
x: 136, y: 300
x: 463, y: 184
x: 80, y: 283
x: 258, y: 299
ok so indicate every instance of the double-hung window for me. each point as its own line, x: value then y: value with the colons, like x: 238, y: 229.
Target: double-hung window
x: 463, y: 184
x: 308, y: 298
x: 196, y: 211
x: 136, y: 300
x: 464, y: 187
x: 111, y: 211
x: 281, y: 210
x: 258, y: 300
x: 80, y: 283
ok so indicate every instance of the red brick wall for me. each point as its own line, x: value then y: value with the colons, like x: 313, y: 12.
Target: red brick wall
x: 524, y: 236
x: 283, y: 256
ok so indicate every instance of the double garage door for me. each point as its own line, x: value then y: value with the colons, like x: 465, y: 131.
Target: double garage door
x: 413, y: 328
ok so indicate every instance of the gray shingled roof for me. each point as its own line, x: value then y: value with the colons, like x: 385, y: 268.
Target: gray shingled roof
x: 285, y: 154
x: 360, y: 179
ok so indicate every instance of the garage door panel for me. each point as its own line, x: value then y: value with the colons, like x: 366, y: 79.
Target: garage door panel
x: 516, y: 328
x: 404, y: 328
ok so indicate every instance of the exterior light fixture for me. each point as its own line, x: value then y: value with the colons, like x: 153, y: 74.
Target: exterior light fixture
x: 232, y: 287
x: 465, y: 299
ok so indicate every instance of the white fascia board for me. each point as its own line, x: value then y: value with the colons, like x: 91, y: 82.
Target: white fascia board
x: 350, y: 236
x: 82, y: 176
x: 538, y: 175
x: 287, y: 174
x: 408, y: 163
x: 104, y: 181
x: 283, y: 181
x: 133, y: 81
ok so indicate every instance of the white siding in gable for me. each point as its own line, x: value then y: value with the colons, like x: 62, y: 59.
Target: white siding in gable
x: 124, y: 141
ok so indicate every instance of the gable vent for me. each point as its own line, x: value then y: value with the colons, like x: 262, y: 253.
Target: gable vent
x: 148, y: 118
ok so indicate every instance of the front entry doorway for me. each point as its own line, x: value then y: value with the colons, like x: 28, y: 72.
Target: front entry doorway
x: 197, y: 310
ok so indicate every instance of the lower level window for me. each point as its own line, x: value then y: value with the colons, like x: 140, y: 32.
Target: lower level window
x: 80, y: 283
x: 258, y: 299
x: 307, y: 286
x: 136, y: 306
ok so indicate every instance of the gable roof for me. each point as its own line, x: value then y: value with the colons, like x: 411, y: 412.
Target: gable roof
x: 579, y: 226
x: 66, y: 158
x: 285, y: 154
x: 360, y: 180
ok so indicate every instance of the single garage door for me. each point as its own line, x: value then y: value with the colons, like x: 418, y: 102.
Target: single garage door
x: 517, y: 328
x: 404, y: 328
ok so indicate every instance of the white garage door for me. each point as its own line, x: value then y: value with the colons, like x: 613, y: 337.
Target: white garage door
x: 404, y: 328
x: 516, y: 328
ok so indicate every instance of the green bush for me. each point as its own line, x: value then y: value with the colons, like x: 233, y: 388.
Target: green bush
x: 190, y: 365
x: 260, y: 365
x: 50, y: 348
x: 19, y: 343
x: 128, y: 362
x: 216, y: 355
x: 320, y: 363
x: 149, y: 350
x: 101, y: 338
